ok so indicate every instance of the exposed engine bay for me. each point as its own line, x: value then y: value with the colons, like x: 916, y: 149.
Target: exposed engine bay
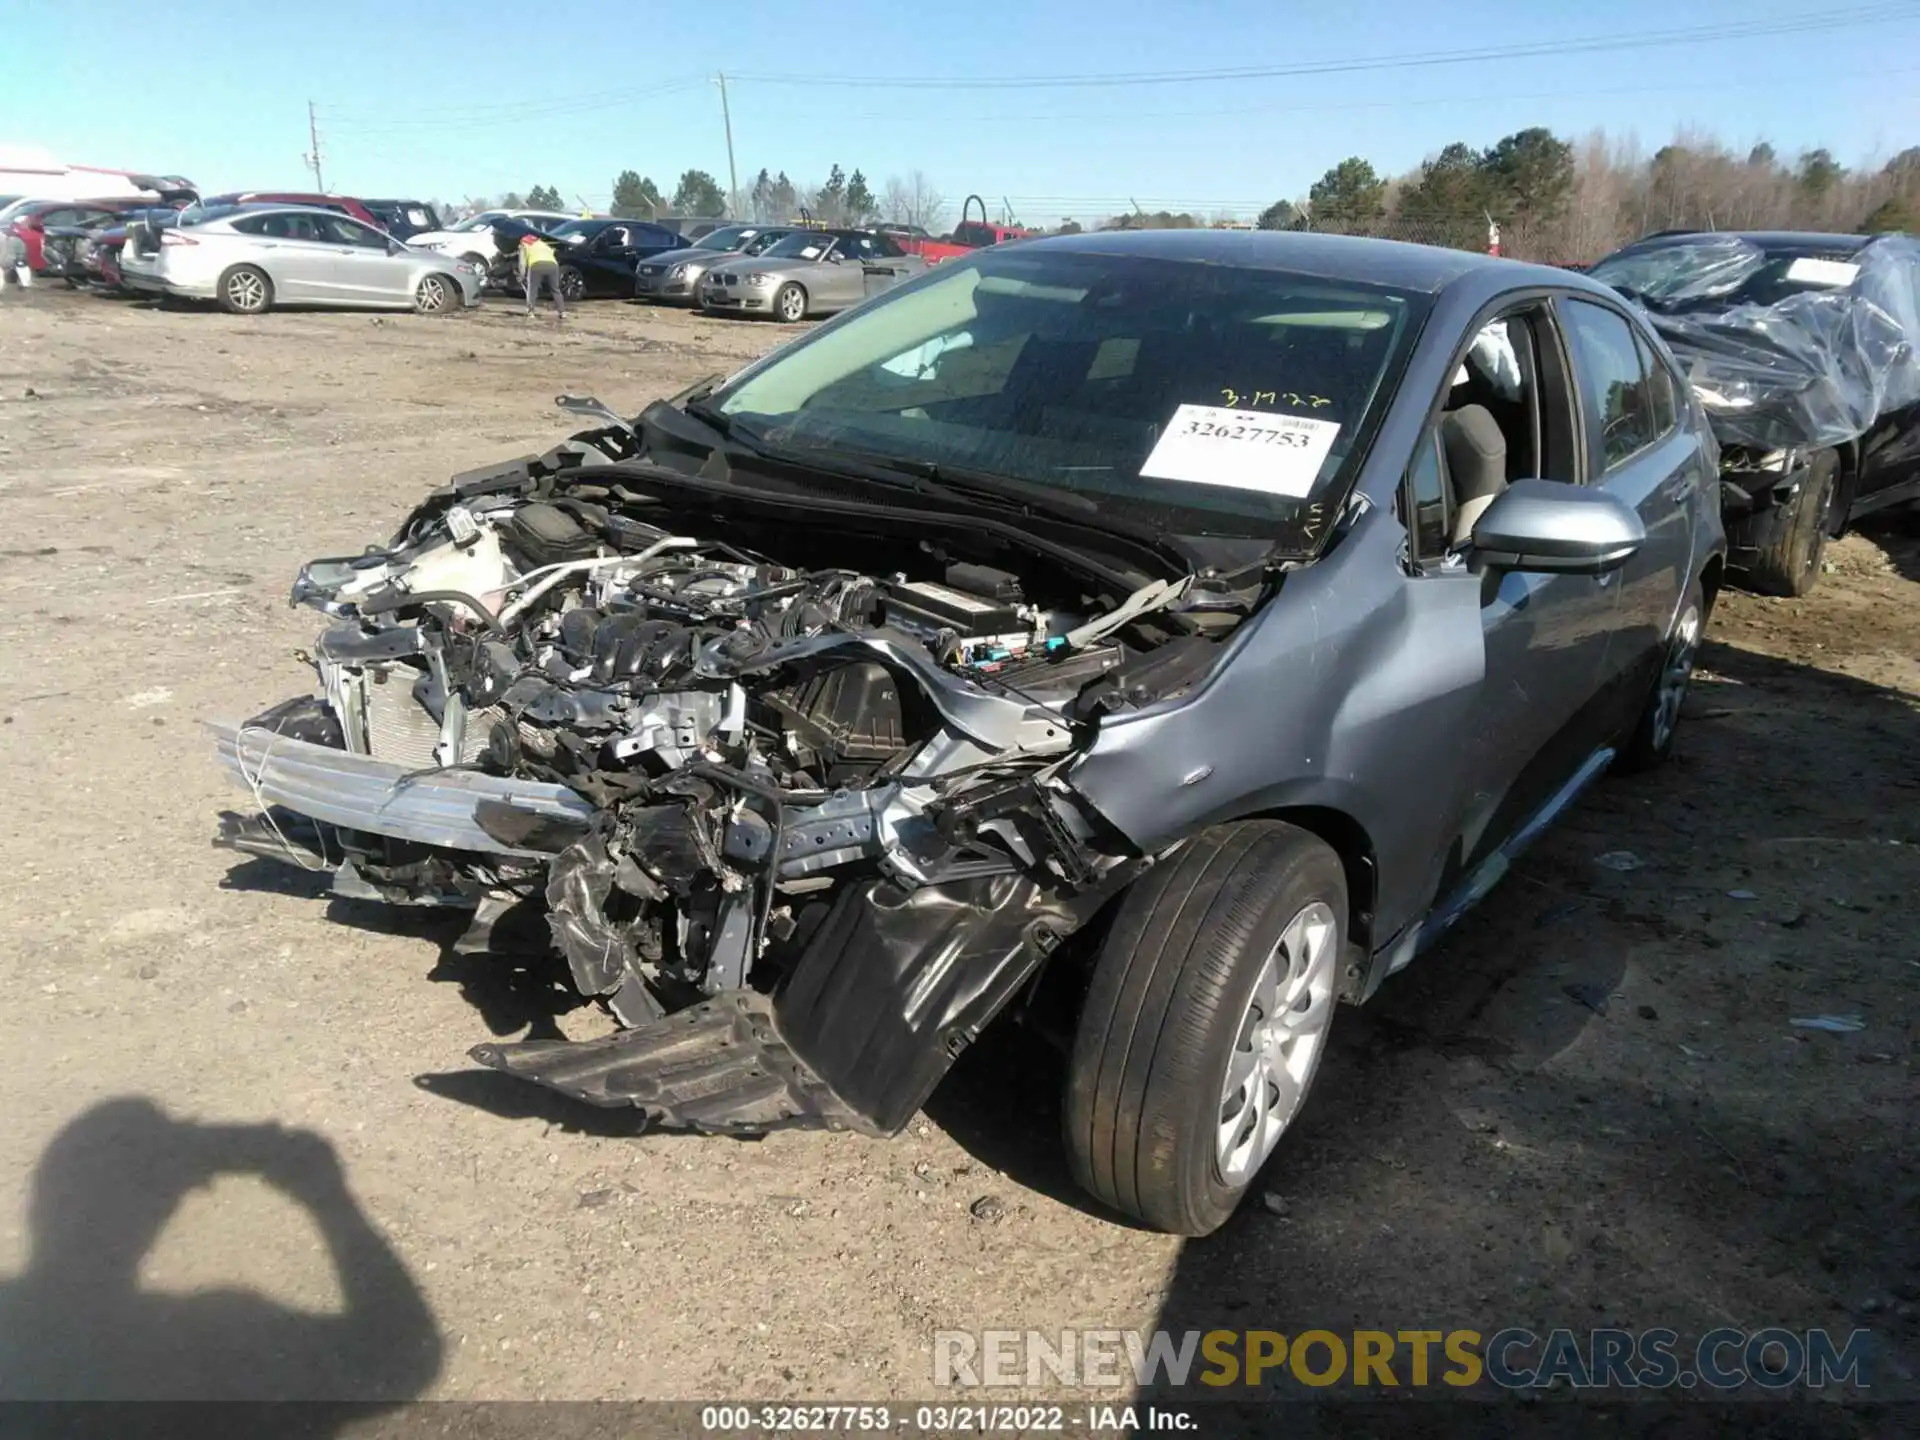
x: 794, y: 797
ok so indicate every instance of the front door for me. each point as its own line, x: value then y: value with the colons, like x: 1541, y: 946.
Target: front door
x: 363, y: 268
x: 1545, y: 636
x: 838, y: 280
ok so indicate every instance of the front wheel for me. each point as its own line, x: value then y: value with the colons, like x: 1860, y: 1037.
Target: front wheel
x: 436, y: 295
x: 572, y: 283
x: 1205, y: 1023
x: 245, y: 290
x: 790, y: 304
x: 1789, y: 563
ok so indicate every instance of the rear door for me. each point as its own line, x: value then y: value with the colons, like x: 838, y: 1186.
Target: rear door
x: 292, y: 248
x: 1636, y: 448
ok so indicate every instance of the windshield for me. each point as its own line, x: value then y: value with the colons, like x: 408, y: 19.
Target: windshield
x: 475, y: 222
x: 575, y: 229
x: 1717, y: 271
x: 762, y: 242
x: 726, y: 238
x: 801, y: 245
x: 1202, y: 398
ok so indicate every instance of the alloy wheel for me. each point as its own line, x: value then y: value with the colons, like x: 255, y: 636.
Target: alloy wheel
x: 246, y: 290
x: 1682, y: 653
x: 1281, y: 1037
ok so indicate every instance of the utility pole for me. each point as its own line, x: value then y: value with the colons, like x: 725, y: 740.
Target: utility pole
x: 312, y: 157
x: 733, y: 175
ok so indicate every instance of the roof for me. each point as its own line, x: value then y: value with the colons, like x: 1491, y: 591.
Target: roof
x: 1765, y: 239
x: 1348, y: 257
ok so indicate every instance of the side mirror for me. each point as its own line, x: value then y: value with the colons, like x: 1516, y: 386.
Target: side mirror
x: 1557, y: 529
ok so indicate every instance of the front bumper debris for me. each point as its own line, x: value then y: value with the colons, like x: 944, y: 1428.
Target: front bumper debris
x: 720, y: 1067
x: 357, y: 792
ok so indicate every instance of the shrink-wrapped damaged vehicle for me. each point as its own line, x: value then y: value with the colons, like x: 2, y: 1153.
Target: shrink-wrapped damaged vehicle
x: 1804, y: 350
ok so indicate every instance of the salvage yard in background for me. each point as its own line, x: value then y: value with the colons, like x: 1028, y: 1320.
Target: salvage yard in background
x: 1590, y: 1106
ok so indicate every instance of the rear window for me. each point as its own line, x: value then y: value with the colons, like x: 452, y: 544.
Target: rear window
x: 202, y: 211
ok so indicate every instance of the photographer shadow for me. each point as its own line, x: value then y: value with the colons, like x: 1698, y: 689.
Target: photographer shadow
x: 76, y: 1323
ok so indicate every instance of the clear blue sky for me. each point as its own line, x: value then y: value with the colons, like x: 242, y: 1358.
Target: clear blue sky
x: 477, y: 98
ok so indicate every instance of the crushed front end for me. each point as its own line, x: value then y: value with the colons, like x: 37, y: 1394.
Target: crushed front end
x: 792, y: 797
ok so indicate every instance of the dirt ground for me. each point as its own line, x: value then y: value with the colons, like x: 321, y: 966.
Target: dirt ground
x: 243, y: 1151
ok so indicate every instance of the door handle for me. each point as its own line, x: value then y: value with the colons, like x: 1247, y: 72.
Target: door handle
x: 1681, y: 486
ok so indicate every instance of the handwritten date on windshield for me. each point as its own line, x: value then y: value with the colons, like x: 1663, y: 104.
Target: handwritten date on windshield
x: 1254, y: 399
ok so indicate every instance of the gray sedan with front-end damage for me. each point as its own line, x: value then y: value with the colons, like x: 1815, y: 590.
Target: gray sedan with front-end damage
x: 810, y: 272
x: 1152, y: 638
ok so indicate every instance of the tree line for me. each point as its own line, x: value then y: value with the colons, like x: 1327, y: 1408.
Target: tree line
x: 1560, y: 200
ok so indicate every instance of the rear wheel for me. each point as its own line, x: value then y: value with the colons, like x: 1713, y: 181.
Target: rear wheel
x: 1789, y: 564
x: 1651, y: 741
x: 436, y: 295
x: 1205, y: 1023
x: 572, y: 283
x: 790, y: 303
x: 245, y: 290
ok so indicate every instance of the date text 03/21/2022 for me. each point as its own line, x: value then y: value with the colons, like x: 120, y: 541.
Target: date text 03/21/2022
x: 946, y: 1419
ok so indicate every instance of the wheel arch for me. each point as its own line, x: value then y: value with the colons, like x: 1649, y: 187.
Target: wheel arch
x: 1359, y: 858
x: 1844, y: 485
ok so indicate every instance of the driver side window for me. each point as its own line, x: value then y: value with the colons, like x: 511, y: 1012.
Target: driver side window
x: 1507, y: 414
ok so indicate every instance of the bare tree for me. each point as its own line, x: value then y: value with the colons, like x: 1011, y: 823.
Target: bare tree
x: 913, y: 201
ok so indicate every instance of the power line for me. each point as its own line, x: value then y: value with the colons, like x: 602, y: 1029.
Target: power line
x: 1477, y: 101
x: 516, y: 114
x: 1694, y: 35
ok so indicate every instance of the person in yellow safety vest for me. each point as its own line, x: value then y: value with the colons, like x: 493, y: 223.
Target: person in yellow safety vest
x: 539, y: 267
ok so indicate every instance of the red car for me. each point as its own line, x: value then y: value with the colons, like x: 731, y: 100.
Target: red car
x: 344, y: 204
x: 30, y: 222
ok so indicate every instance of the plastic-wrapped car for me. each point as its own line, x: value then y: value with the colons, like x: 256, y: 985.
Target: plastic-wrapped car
x: 1804, y: 350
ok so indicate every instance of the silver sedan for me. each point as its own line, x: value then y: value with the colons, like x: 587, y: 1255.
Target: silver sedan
x: 810, y: 272
x: 252, y: 257
x: 674, y: 278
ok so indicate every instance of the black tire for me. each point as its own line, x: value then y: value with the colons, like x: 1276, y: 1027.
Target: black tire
x: 438, y: 295
x: 1167, y: 1010
x: 573, y: 284
x: 1650, y: 743
x: 246, y: 290
x: 790, y: 304
x: 1790, y: 564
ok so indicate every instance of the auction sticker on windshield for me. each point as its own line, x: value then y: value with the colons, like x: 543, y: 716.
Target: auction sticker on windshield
x: 1242, y: 449
x: 1811, y: 270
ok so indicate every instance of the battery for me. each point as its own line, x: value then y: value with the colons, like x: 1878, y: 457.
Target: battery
x: 923, y: 606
